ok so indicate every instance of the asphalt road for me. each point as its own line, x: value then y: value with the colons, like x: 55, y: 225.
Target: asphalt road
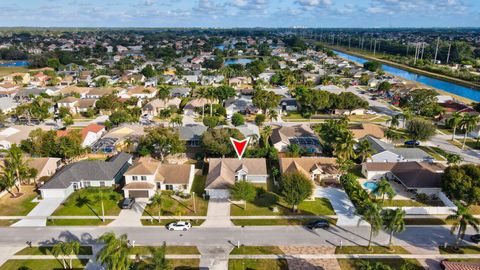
x: 281, y: 235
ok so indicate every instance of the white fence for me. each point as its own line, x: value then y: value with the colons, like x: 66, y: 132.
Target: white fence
x: 448, y: 209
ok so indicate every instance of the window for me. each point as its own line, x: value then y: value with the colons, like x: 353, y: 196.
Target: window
x: 75, y: 186
x: 169, y: 187
x: 102, y: 183
x: 135, y: 178
x: 144, y: 178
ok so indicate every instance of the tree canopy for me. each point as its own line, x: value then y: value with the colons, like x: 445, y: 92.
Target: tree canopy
x: 216, y: 142
x: 462, y: 183
x: 160, y: 142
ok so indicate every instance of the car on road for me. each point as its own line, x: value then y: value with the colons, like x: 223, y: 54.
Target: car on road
x: 318, y: 224
x: 371, y: 112
x: 475, y: 238
x: 179, y: 226
x: 128, y: 203
x: 373, y: 98
x: 412, y: 143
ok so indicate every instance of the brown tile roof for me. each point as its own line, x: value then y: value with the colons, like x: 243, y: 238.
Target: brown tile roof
x: 39, y: 163
x: 165, y: 173
x: 143, y: 166
x: 75, y: 89
x: 139, y: 185
x: 68, y: 100
x: 367, y: 129
x: 103, y: 91
x: 460, y: 265
x: 411, y: 174
x: 141, y: 90
x: 307, y: 164
x: 221, y: 171
x: 86, y: 103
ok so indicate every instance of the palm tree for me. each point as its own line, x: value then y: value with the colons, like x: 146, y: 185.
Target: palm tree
x: 462, y: 218
x: 364, y: 150
x: 371, y: 214
x: 65, y: 249
x: 266, y: 133
x: 273, y: 114
x: 14, y: 160
x: 453, y: 159
x: 8, y: 181
x: 201, y: 93
x: 164, y: 93
x: 454, y: 120
x: 392, y: 135
x: 407, y: 115
x: 384, y: 188
x: 159, y: 262
x: 468, y: 123
x: 393, y: 221
x: 176, y: 120
x: 115, y: 253
x: 344, y: 146
x: 156, y: 201
x: 210, y: 95
x: 394, y: 121
x: 99, y: 197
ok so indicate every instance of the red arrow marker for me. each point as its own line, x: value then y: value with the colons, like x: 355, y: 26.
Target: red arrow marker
x: 240, y: 146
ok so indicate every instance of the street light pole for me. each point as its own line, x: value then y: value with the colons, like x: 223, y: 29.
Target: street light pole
x: 194, y: 207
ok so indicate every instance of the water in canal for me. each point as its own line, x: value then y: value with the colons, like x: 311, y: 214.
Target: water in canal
x: 449, y: 87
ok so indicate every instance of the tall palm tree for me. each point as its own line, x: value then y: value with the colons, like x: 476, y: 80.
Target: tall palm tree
x: 115, y: 253
x: 8, y: 181
x: 454, y: 120
x: 273, y: 114
x: 371, y: 214
x: 65, y: 249
x: 406, y: 115
x: 392, y: 135
x: 384, y: 188
x: 266, y: 133
x: 164, y: 92
x: 393, y: 221
x: 468, y: 124
x: 364, y: 150
x: 462, y: 218
x: 156, y: 201
x: 210, y: 95
x: 344, y: 146
x: 159, y: 262
x: 394, y: 121
x: 99, y: 197
x: 14, y: 160
x: 201, y: 93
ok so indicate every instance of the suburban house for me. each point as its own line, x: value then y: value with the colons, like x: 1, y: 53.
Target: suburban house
x: 180, y: 92
x: 248, y: 130
x: 191, y: 134
x: 87, y: 173
x: 366, y: 129
x: 385, y: 152
x: 422, y: 177
x: 148, y: 175
x: 7, y: 104
x: 76, y: 105
x: 302, y: 135
x: 90, y: 134
x: 321, y: 170
x: 45, y: 166
x: 453, y: 265
x: 289, y: 105
x: 224, y: 172
x: 142, y: 92
x: 154, y: 107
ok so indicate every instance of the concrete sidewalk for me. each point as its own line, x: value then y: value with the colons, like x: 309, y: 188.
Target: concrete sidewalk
x: 218, y: 214
x: 44, y: 208
x: 342, y: 206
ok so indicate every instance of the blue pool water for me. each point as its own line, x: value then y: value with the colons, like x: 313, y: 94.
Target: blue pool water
x: 242, y: 61
x: 449, y: 87
x: 370, y: 185
x: 15, y: 64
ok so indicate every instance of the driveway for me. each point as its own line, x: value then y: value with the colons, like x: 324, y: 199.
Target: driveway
x: 44, y: 208
x: 131, y: 217
x: 341, y: 204
x: 218, y: 214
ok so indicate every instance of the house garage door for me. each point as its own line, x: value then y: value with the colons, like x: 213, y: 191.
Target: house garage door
x: 218, y: 193
x: 138, y: 194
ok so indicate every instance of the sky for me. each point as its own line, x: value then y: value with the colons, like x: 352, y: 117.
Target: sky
x: 240, y: 13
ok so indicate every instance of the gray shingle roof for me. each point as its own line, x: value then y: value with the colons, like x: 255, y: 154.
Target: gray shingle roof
x: 412, y: 153
x: 192, y: 132
x: 378, y: 145
x: 88, y: 170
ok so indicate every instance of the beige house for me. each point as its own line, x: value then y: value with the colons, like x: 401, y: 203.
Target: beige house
x: 154, y: 107
x: 224, y: 172
x: 366, y: 129
x: 321, y: 170
x: 45, y: 166
x: 148, y: 175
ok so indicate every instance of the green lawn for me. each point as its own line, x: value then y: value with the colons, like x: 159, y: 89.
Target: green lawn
x: 145, y: 250
x: 351, y: 264
x: 86, y: 202
x: 257, y: 264
x: 256, y: 250
x: 20, y: 206
x: 472, y: 144
x: 176, y: 264
x: 461, y: 250
x: 47, y: 250
x: 78, y: 222
x: 40, y: 264
x: 262, y: 205
x: 275, y: 222
x: 432, y: 153
x: 410, y: 203
x: 372, y: 250
x: 163, y: 222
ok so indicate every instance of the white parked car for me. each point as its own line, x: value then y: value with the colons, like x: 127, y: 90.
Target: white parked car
x: 179, y: 226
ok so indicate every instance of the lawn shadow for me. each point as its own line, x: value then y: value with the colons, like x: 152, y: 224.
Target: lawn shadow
x: 85, y: 201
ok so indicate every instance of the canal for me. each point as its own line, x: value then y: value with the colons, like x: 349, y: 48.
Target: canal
x: 449, y: 87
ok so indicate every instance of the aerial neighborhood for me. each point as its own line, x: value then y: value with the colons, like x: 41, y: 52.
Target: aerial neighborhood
x: 132, y: 129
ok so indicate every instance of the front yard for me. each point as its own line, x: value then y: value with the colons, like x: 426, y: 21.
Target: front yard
x: 263, y: 205
x: 20, y: 206
x: 78, y: 222
x: 87, y: 202
x: 352, y: 264
x: 173, y: 206
x: 257, y: 264
x: 40, y: 264
x: 47, y: 250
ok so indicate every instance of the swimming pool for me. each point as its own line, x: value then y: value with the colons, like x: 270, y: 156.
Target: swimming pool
x: 370, y: 185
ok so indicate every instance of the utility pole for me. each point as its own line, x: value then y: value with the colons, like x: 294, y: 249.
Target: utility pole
x: 448, y: 54
x: 436, y: 50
